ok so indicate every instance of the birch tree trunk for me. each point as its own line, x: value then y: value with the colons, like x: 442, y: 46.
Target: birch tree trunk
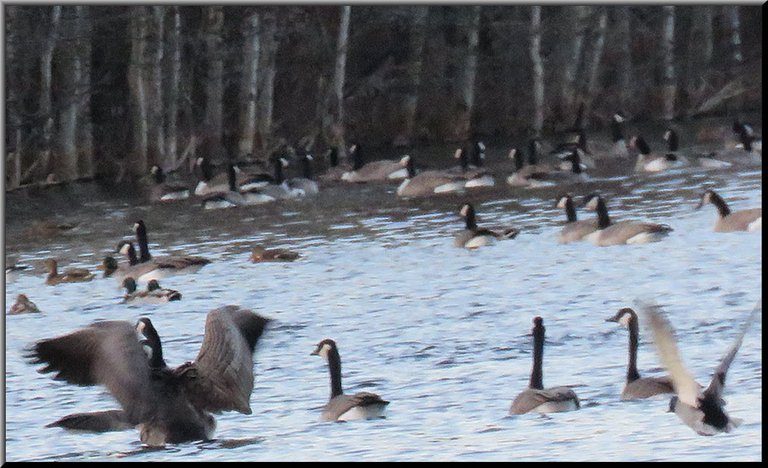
x: 85, y: 126
x: 214, y: 85
x: 154, y: 80
x: 593, y: 79
x: 138, y: 94
x: 568, y: 89
x: 469, y: 75
x: 623, y: 21
x: 538, y: 70
x: 265, y: 105
x: 46, y: 80
x: 172, y: 94
x: 413, y: 72
x: 13, y: 32
x: 339, y: 75
x: 70, y: 73
x: 249, y: 86
x: 669, y: 89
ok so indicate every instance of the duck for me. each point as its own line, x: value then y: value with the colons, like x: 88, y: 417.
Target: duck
x: 374, y: 171
x: 167, y: 405
x: 70, y: 275
x: 48, y: 229
x: 427, y: 183
x: 622, y: 232
x: 701, y: 410
x: 340, y: 406
x: 23, y: 306
x: 535, y: 398
x: 168, y: 263
x: 729, y: 221
x: 305, y: 182
x: 163, y: 191
x: 261, y: 254
x: 649, y: 162
x: 574, y: 230
x: 473, y: 237
x: 154, y: 294
x: 636, y: 387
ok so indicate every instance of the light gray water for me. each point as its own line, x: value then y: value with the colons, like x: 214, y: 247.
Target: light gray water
x: 442, y: 333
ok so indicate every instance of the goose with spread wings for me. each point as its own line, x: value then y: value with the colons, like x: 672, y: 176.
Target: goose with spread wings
x: 167, y: 405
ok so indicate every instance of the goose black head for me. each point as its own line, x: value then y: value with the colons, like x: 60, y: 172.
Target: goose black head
x: 157, y: 174
x: 150, y: 342
x: 323, y: 348
x: 671, y: 138
x: 623, y: 316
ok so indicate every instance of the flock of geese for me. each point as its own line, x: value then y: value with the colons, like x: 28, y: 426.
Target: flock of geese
x: 172, y: 405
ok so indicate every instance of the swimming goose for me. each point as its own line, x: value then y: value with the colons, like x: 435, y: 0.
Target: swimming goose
x: 260, y: 254
x: 527, y: 176
x: 622, y: 232
x: 374, y: 171
x: 335, y: 170
x: 728, y: 221
x: 342, y: 407
x: 141, y: 271
x: 305, y: 182
x: 166, y: 405
x: 473, y: 237
x: 649, y: 162
x: 701, y: 410
x: 168, y: 263
x: 749, y: 140
x: 428, y: 183
x: 70, y: 275
x: 163, y: 191
x: 471, y: 159
x: 573, y: 230
x: 708, y: 161
x: 638, y: 387
x: 535, y: 397
x: 23, y: 306
x: 280, y: 189
x: 154, y: 294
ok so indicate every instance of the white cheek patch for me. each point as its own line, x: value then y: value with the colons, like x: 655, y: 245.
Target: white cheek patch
x: 512, y: 153
x: 457, y: 153
x: 324, y: 351
x: 624, y: 320
x: 592, y: 205
x: 464, y: 210
x: 562, y: 202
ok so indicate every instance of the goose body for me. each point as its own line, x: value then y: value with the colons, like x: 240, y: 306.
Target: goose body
x: 700, y: 409
x: 335, y: 170
x: 164, y: 191
x: 23, y: 306
x: 305, y: 182
x: 70, y: 275
x: 167, y: 405
x: 622, y: 232
x: 730, y: 221
x: 166, y: 265
x: 574, y: 230
x: 340, y: 406
x: 427, y: 183
x: 473, y: 237
x: 637, y: 387
x: 471, y: 159
x: 535, y: 398
x: 374, y: 171
x: 650, y: 162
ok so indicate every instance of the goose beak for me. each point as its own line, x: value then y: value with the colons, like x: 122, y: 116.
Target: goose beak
x: 700, y: 204
x: 612, y: 319
x: 314, y: 353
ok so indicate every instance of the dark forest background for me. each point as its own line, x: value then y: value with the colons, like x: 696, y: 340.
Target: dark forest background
x: 107, y: 91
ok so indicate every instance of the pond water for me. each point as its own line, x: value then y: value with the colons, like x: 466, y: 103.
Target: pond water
x: 443, y: 333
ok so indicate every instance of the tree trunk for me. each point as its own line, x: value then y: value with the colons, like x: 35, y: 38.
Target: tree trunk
x: 14, y: 34
x: 214, y: 84
x: 138, y: 93
x: 594, y: 63
x: 538, y: 70
x: 339, y: 75
x: 249, y: 87
x: 86, y: 163
x: 732, y: 13
x: 625, y: 50
x: 469, y: 75
x: 70, y: 73
x: 46, y: 72
x: 172, y: 94
x: 267, y: 64
x: 669, y: 87
x: 707, y: 40
x: 154, y: 80
x: 568, y: 89
x: 413, y: 71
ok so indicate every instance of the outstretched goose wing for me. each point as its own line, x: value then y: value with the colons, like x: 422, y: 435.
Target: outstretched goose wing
x: 106, y: 353
x: 224, y: 365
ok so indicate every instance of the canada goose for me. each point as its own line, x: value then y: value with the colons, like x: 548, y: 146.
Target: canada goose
x: 649, y: 162
x: 141, y: 271
x: 708, y: 161
x: 23, y: 306
x: 208, y: 182
x: 526, y: 176
x: 428, y: 183
x: 305, y: 182
x: 335, y: 170
x: 97, y: 421
x: 622, y: 232
x: 167, y: 405
x: 619, y: 148
x: 727, y: 221
x: 341, y: 407
x: 374, y: 171
x: 473, y: 237
x: 260, y: 254
x: 280, y: 188
x: 235, y: 196
x: 473, y: 173
x: 168, y: 263
x: 12, y: 272
x: 638, y: 387
x: 701, y: 410
x: 70, y: 275
x: 154, y: 294
x: 535, y: 397
x: 573, y: 230
x: 163, y: 191
x: 749, y: 140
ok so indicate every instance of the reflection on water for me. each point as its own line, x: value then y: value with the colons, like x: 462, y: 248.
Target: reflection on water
x: 442, y: 333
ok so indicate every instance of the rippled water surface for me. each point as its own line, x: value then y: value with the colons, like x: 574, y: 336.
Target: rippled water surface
x: 442, y: 333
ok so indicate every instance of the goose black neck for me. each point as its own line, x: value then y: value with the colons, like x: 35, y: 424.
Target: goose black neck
x: 141, y: 238
x: 720, y: 204
x: 470, y: 219
x: 232, y: 177
x: 616, y: 132
x: 570, y: 210
x: 334, y: 156
x: 206, y: 171
x: 334, y: 366
x: 410, y: 168
x: 746, y: 140
x: 518, y: 161
x: 159, y: 175
x: 575, y: 162
x: 672, y: 141
x: 463, y: 160
x: 632, y: 373
x: 153, y: 340
x: 306, y: 167
x: 603, y: 220
x: 538, y: 357
x: 477, y: 154
x: 533, y: 156
x: 279, y: 171
x: 357, y: 158
x: 132, y: 260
